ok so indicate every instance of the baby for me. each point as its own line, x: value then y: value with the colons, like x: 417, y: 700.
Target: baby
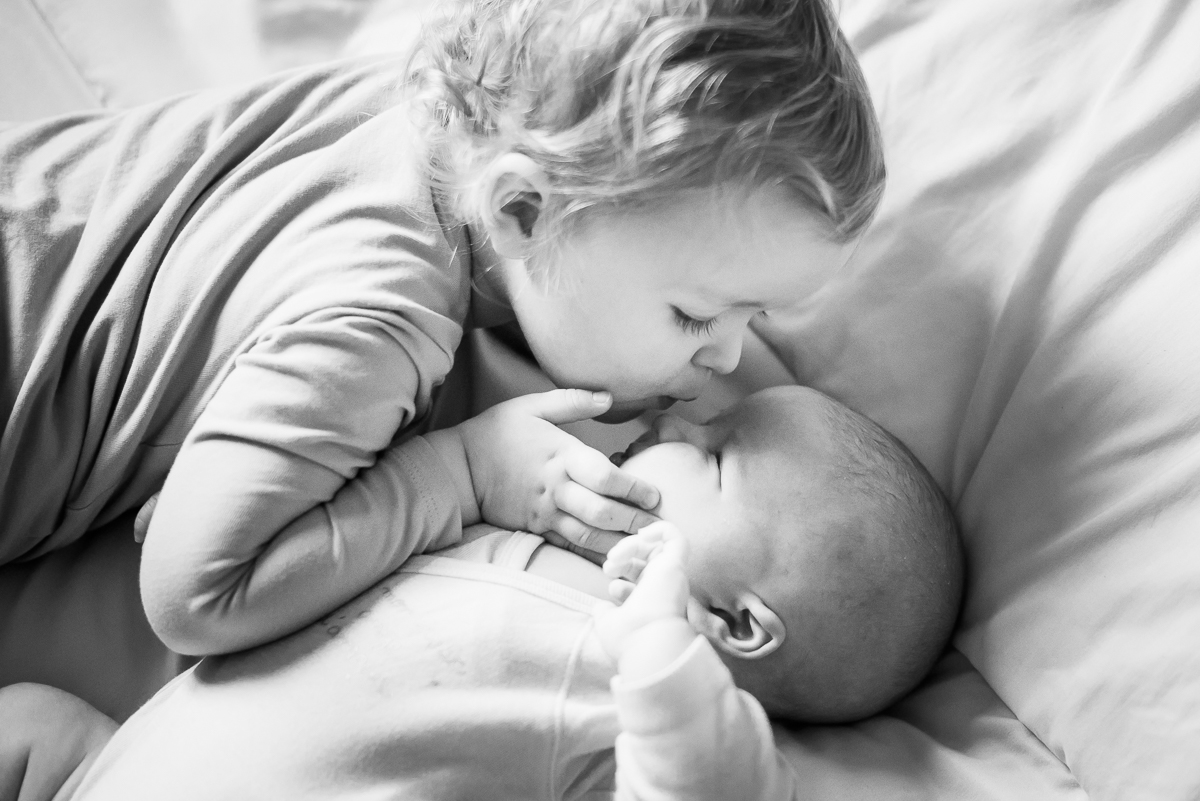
x: 825, y: 563
x: 813, y: 553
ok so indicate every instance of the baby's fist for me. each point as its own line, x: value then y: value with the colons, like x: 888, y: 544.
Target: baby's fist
x: 649, y: 581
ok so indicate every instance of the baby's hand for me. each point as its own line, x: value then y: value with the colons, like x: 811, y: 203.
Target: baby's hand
x: 529, y: 474
x: 629, y: 557
x: 648, y: 581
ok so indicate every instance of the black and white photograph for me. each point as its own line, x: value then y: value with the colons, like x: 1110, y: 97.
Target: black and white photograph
x: 600, y: 400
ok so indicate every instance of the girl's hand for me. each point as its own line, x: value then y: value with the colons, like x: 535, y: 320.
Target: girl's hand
x: 141, y: 523
x: 650, y: 584
x: 529, y: 474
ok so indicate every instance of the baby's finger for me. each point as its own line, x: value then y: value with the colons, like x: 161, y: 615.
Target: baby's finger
x: 583, y: 539
x: 619, y: 590
x: 659, y: 531
x: 629, y: 556
x: 589, y: 468
x: 664, y: 584
x: 671, y: 553
x: 597, y: 511
x: 628, y: 569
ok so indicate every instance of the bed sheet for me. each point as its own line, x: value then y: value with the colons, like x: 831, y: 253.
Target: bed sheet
x: 73, y: 619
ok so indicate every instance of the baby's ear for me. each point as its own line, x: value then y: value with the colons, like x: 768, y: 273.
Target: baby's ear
x: 749, y: 629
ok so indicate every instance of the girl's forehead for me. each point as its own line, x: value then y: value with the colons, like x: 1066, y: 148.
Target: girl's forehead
x: 714, y: 254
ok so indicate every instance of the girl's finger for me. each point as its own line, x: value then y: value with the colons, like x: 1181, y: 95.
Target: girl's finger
x: 597, y: 511
x: 560, y: 406
x: 589, y: 468
x: 583, y: 539
x: 141, y: 522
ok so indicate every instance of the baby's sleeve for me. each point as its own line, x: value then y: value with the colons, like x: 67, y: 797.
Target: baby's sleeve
x: 690, y: 733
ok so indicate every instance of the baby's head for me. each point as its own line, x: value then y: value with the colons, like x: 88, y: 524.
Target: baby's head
x: 825, y: 563
x: 660, y: 170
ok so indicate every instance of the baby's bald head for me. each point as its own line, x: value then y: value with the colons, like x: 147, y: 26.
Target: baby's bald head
x: 824, y: 561
x: 868, y: 571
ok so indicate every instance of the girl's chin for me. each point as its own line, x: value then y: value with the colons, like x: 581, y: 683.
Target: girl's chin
x: 624, y: 411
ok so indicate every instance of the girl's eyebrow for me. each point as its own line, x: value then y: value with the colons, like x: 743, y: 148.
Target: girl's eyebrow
x: 726, y: 301
x: 735, y: 303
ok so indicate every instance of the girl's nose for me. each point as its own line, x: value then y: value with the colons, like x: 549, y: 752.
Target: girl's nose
x: 720, y: 356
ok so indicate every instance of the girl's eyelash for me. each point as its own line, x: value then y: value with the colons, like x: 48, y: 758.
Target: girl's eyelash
x: 691, y: 324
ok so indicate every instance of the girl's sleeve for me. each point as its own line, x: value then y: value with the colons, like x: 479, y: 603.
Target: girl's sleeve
x: 689, y: 733
x: 279, y: 506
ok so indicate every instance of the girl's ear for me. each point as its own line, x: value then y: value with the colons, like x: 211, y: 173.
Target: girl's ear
x: 749, y: 629
x: 514, y: 195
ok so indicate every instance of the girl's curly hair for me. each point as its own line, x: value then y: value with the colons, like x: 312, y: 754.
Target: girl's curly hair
x: 626, y: 102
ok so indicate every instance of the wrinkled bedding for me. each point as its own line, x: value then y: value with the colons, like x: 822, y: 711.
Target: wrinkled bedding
x: 1022, y: 316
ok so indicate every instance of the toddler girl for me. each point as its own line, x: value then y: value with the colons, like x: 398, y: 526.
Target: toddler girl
x: 246, y: 298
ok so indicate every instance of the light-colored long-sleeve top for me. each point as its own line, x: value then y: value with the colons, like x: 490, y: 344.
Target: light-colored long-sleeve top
x: 460, y: 676
x: 253, y: 289
x: 689, y: 733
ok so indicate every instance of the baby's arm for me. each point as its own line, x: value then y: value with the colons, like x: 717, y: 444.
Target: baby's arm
x: 686, y: 731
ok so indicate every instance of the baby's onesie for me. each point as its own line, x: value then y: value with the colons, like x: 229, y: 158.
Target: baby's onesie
x: 458, y: 677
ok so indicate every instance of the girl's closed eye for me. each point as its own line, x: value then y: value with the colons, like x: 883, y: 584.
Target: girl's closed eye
x: 693, y: 325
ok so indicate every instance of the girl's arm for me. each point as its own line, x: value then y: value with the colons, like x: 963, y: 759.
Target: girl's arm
x: 277, y: 508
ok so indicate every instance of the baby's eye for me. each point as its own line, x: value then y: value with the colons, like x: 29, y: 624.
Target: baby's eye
x: 693, y: 325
